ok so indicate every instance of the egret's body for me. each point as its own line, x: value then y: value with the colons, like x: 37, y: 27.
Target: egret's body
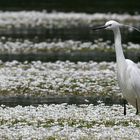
x: 128, y: 73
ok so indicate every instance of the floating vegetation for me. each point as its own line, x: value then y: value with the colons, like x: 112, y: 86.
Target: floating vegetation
x: 33, y: 19
x: 98, y: 50
x: 68, y: 122
x: 59, y: 78
x: 68, y: 46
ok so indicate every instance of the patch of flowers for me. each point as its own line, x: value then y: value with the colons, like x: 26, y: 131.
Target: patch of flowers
x: 59, y: 78
x: 68, y: 46
x: 68, y: 122
x: 34, y: 19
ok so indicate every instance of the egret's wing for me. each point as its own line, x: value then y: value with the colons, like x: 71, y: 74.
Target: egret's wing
x: 134, y: 75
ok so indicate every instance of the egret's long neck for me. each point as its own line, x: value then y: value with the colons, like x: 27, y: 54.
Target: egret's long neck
x: 118, y: 47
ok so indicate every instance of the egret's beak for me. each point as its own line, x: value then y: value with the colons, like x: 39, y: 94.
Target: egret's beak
x: 100, y: 27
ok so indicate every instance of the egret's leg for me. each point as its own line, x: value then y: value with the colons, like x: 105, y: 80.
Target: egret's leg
x: 137, y: 110
x: 124, y: 103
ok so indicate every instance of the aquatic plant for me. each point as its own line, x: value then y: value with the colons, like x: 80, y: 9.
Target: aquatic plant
x: 59, y: 78
x: 68, y: 122
x: 34, y: 19
x: 66, y: 47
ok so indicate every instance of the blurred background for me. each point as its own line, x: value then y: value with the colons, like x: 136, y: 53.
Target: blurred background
x: 59, y: 21
x: 88, y: 6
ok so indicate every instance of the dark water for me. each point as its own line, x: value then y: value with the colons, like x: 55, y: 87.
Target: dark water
x: 96, y: 55
x: 69, y: 99
x: 89, y: 6
x: 79, y: 33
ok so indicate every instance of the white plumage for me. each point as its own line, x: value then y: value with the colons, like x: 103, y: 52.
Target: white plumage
x: 128, y: 73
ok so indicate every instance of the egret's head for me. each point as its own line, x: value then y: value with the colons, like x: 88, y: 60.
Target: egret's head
x: 111, y: 25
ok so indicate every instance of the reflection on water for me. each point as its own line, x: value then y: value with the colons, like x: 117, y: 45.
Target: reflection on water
x: 53, y: 57
x: 82, y: 34
x: 72, y: 99
x: 74, y: 57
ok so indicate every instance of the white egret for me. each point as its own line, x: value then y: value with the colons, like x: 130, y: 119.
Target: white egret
x: 128, y: 73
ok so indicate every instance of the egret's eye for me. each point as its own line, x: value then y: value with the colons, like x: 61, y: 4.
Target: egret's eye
x: 109, y: 24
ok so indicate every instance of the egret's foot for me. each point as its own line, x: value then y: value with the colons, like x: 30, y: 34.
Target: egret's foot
x: 137, y: 109
x: 124, y: 103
